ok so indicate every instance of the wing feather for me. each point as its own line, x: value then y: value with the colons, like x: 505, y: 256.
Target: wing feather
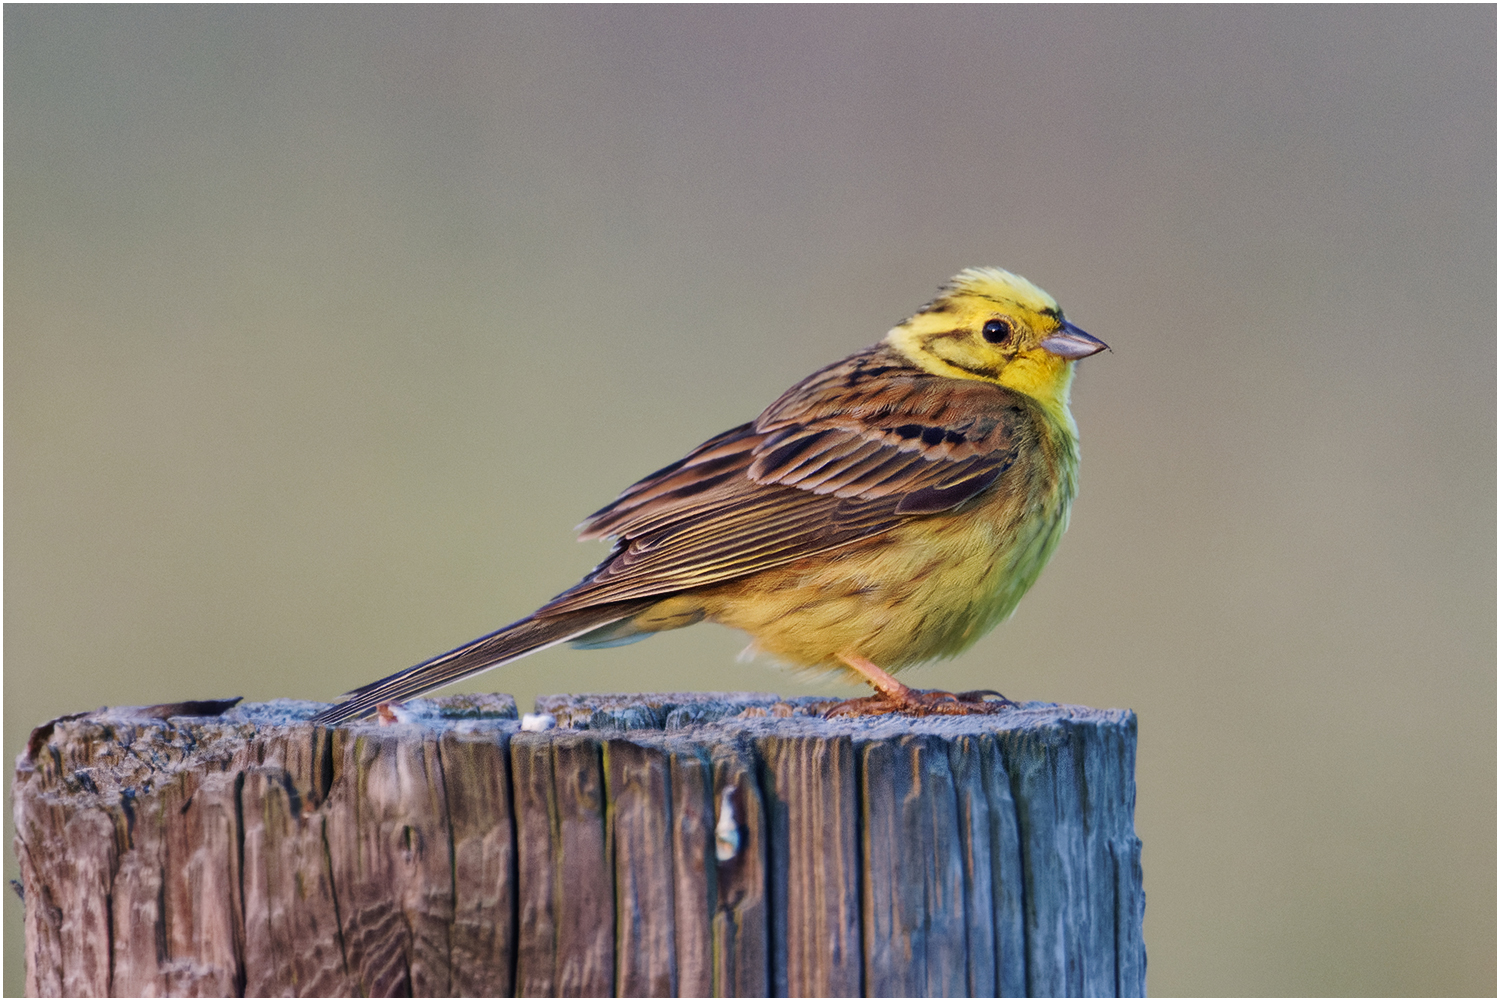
x: 849, y: 453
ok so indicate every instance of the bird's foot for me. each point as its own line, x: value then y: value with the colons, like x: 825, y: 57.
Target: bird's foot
x: 917, y: 702
x: 891, y: 696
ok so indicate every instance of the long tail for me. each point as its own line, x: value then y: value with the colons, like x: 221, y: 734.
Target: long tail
x: 500, y: 647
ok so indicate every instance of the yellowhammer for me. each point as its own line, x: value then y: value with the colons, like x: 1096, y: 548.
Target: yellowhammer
x: 889, y: 509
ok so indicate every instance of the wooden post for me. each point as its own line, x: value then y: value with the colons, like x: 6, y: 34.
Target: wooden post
x: 649, y: 845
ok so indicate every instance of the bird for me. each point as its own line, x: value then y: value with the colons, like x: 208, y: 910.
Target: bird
x: 888, y: 510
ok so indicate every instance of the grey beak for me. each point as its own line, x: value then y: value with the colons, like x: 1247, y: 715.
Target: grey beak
x: 1071, y: 343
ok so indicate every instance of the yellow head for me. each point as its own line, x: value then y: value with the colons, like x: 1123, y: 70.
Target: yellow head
x: 994, y: 326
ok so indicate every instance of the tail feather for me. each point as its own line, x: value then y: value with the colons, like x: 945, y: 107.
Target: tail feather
x: 500, y: 647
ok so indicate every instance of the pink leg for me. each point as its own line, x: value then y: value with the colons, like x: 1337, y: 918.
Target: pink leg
x: 891, y: 696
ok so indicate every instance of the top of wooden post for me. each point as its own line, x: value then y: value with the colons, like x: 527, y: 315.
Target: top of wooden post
x: 118, y: 748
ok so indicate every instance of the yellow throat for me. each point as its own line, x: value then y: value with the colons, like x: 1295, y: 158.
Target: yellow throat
x: 989, y: 324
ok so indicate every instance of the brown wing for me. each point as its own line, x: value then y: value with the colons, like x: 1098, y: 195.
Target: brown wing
x: 852, y: 451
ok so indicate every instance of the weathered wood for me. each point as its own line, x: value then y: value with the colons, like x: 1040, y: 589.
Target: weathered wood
x: 732, y: 844
x: 566, y: 877
x: 293, y: 943
x: 476, y: 779
x: 741, y: 941
x: 695, y: 884
x: 991, y: 849
x: 388, y: 844
x: 915, y: 922
x: 811, y: 795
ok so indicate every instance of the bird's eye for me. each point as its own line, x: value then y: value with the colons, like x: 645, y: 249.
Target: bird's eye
x: 996, y: 331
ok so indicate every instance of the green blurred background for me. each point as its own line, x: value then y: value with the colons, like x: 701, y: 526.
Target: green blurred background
x: 325, y: 326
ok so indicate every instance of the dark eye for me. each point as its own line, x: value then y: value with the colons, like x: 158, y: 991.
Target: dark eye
x: 996, y: 331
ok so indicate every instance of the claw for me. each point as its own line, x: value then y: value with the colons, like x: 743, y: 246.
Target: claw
x: 915, y: 702
x: 978, y: 695
x: 891, y: 696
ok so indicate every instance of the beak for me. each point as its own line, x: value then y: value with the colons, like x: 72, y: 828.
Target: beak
x: 1071, y: 343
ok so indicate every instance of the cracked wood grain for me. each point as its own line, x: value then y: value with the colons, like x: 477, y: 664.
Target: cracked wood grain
x: 915, y: 934
x: 723, y: 844
x: 640, y: 835
x: 695, y: 882
x: 389, y: 847
x: 740, y: 923
x: 293, y: 942
x: 811, y: 793
x: 476, y: 777
x: 566, y: 879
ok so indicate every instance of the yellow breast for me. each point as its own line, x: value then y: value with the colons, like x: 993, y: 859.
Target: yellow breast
x: 928, y: 588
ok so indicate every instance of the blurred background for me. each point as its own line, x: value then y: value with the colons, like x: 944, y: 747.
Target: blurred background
x: 325, y: 326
